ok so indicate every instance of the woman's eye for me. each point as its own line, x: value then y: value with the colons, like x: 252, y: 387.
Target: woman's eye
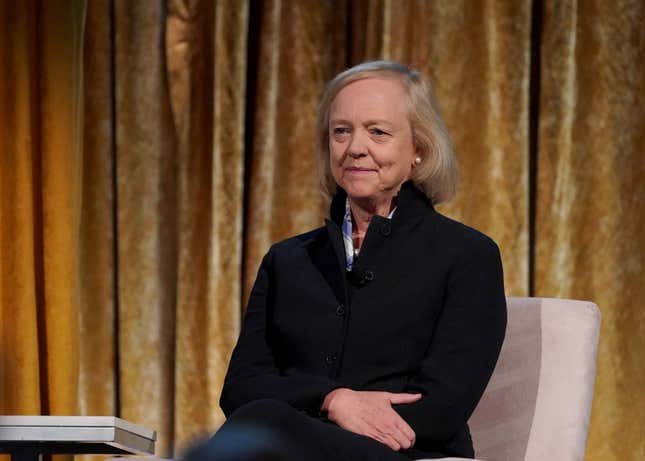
x: 340, y: 130
x: 378, y: 132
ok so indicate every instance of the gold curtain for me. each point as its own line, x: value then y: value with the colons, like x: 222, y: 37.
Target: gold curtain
x: 152, y: 151
x: 590, y: 224
x: 162, y: 246
x: 40, y: 203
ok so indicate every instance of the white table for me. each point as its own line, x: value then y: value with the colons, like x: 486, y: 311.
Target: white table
x: 27, y: 437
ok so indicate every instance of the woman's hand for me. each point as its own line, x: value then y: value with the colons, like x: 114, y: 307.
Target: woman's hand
x: 370, y: 413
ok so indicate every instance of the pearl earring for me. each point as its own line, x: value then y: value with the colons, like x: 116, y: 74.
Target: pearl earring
x: 417, y: 160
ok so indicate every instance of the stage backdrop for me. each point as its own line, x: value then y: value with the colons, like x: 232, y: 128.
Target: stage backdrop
x: 150, y: 152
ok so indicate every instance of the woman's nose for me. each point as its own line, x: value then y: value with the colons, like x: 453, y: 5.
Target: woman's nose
x: 355, y: 153
x: 356, y: 147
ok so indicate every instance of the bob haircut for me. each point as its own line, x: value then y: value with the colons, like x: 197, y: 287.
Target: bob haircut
x: 437, y: 174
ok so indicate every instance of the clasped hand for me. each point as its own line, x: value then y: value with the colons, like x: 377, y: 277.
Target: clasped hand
x: 371, y: 414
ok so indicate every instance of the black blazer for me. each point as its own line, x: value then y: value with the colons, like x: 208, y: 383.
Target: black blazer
x: 423, y: 311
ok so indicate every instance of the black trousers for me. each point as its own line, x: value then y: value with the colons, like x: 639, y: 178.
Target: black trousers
x: 271, y: 430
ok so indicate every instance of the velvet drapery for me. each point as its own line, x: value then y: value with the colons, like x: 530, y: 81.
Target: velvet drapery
x: 152, y: 151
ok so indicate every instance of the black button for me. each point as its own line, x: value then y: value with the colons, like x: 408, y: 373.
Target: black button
x: 330, y: 359
x: 386, y: 229
x: 368, y: 275
x: 340, y: 310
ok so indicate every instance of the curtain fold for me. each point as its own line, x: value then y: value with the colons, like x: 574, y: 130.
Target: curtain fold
x: 590, y: 225
x: 19, y: 371
x: 206, y: 58
x: 40, y: 205
x: 98, y: 349
x: 146, y: 206
x: 60, y: 199
x: 151, y: 152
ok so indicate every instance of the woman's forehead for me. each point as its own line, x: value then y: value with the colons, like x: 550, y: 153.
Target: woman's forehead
x: 371, y: 97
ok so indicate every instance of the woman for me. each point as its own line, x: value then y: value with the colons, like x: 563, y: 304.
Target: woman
x: 374, y: 336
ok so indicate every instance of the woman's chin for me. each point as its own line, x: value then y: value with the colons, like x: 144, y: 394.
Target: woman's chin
x: 360, y: 192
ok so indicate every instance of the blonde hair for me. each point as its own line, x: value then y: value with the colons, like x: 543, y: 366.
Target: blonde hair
x: 437, y: 174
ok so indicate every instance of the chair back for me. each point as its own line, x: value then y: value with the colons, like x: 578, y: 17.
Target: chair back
x: 537, y: 404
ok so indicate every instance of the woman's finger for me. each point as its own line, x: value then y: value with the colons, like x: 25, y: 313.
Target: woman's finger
x: 400, y: 437
x: 396, y: 428
x: 405, y: 428
x: 403, y: 398
x: 386, y: 439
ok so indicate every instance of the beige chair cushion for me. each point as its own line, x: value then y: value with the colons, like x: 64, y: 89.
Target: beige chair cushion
x: 538, y: 403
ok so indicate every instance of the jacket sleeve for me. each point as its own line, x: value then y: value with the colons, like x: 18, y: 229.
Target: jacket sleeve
x: 465, y: 345
x: 253, y: 373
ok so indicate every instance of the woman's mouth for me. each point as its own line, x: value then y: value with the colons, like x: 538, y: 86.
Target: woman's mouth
x: 355, y: 170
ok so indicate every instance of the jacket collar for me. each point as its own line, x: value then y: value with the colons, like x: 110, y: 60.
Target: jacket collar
x: 411, y: 206
x: 411, y: 202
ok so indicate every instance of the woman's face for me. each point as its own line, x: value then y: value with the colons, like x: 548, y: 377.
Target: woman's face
x: 371, y: 145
